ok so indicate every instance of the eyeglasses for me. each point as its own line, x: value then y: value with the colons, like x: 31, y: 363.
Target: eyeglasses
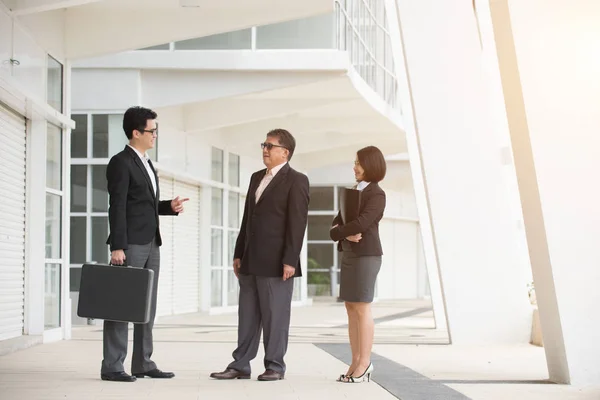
x: 269, y: 146
x: 151, y: 131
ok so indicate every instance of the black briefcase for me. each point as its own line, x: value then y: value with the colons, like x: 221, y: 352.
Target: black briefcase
x: 350, y: 200
x: 115, y: 293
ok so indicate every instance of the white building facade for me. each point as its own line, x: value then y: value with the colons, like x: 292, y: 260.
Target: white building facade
x: 498, y: 127
x: 188, y: 145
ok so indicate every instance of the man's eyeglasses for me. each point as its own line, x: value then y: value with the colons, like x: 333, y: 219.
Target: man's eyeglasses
x: 151, y: 131
x: 269, y: 146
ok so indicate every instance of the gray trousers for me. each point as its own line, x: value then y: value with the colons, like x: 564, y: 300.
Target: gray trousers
x: 115, y: 333
x: 265, y: 304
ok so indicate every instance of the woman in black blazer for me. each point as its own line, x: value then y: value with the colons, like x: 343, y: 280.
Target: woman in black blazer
x: 360, y: 245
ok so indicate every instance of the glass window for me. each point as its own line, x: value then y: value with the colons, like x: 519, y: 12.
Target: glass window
x: 216, y: 247
x: 55, y: 84
x: 297, y: 293
x: 216, y: 288
x: 99, y: 189
x: 100, y: 136
x: 217, y: 207
x: 217, y: 165
x: 321, y: 199
x: 52, y: 280
x: 79, y: 136
x: 319, y: 284
x: 78, y: 188
x: 237, y: 40
x: 233, y: 289
x: 78, y: 240
x: 320, y: 255
x: 54, y: 158
x: 99, y: 236
x: 319, y: 226
x: 117, y: 140
x: 234, y: 209
x: 233, y: 235
x: 53, y: 226
x: 306, y: 33
x: 234, y: 170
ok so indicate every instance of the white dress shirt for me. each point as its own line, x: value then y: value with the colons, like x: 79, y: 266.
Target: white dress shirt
x: 361, y: 185
x: 269, y: 175
x: 145, y: 159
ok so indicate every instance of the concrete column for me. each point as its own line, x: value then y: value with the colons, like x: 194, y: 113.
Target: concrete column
x: 35, y: 224
x: 462, y: 153
x: 549, y: 61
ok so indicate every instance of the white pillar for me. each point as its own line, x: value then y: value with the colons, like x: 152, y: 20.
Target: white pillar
x: 35, y: 224
x: 205, y: 274
x: 425, y: 228
x: 550, y: 63
x: 463, y: 155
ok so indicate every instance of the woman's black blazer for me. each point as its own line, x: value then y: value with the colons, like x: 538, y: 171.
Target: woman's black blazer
x: 371, y: 211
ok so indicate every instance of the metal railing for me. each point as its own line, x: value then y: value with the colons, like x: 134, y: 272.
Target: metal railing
x: 362, y: 31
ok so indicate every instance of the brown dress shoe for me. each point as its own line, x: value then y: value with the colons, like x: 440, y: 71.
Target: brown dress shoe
x: 230, y: 373
x: 271, y: 375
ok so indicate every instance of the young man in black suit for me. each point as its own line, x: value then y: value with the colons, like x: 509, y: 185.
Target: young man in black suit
x: 267, y: 258
x: 135, y: 239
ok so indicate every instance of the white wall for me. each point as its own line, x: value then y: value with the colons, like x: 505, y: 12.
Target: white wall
x: 105, y: 90
x: 5, y: 41
x: 549, y: 60
x: 31, y: 71
x: 475, y: 228
x: 402, y: 271
x: 23, y: 87
x: 190, y: 153
x: 48, y: 28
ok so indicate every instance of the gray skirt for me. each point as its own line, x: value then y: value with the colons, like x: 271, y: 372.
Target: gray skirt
x: 358, y: 275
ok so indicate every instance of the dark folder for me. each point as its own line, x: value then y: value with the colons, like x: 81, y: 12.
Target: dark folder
x: 349, y: 204
x: 115, y: 293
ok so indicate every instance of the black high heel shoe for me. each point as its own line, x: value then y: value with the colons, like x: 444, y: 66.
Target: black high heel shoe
x: 343, y: 377
x: 357, y: 379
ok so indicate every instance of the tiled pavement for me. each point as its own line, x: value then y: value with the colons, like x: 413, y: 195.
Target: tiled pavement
x: 411, y: 363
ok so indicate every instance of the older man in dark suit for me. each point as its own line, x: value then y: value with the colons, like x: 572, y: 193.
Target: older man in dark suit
x: 267, y: 258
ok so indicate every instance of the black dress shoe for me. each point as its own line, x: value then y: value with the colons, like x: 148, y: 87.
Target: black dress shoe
x: 117, y: 377
x: 270, y: 375
x: 230, y: 373
x: 155, y: 373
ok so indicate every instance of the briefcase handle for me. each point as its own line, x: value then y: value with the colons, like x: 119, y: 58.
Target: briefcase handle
x: 117, y: 265
x: 123, y: 265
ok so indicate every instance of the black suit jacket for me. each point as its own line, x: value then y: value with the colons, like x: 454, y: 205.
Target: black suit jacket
x: 371, y: 211
x: 133, y: 208
x: 273, y: 229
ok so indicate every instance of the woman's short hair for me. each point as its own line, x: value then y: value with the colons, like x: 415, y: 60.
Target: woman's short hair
x: 373, y: 163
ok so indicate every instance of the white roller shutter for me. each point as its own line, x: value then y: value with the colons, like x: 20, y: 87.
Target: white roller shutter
x: 12, y: 222
x: 186, y: 255
x: 165, y: 282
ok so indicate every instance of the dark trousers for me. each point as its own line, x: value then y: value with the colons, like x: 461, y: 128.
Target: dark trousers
x: 115, y: 333
x: 264, y: 304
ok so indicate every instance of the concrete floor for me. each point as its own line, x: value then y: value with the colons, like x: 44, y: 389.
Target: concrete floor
x: 411, y: 362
